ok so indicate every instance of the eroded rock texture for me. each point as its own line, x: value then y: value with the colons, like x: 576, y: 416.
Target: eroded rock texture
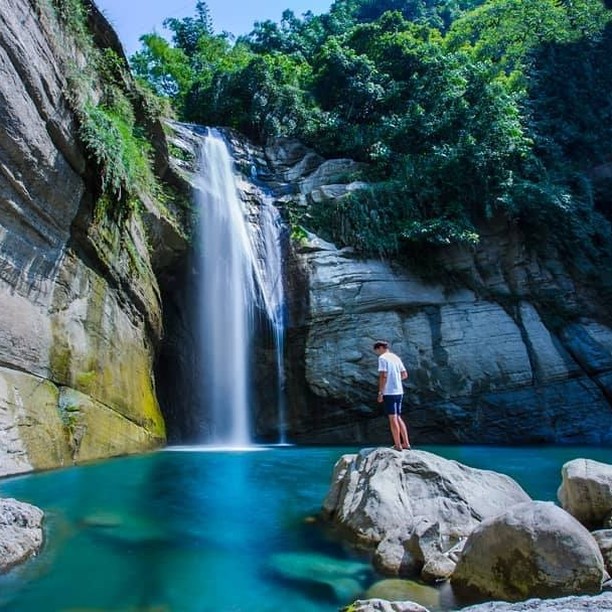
x: 80, y: 308
x: 517, y: 350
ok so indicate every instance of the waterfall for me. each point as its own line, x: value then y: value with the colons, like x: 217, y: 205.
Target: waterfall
x: 240, y: 274
x: 271, y: 281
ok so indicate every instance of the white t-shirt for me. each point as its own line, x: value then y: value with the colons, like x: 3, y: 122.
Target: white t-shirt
x: 393, y: 366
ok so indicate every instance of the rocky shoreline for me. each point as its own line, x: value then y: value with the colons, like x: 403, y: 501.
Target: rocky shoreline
x: 21, y: 535
x: 563, y: 604
x: 439, y: 521
x: 440, y: 532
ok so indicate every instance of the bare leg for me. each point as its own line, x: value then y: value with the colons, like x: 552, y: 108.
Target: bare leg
x: 395, y: 431
x: 403, y: 432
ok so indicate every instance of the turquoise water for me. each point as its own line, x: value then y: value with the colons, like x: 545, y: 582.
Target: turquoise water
x: 199, y: 530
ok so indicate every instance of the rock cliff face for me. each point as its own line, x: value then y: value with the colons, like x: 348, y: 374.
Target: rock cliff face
x: 80, y: 310
x: 519, y: 350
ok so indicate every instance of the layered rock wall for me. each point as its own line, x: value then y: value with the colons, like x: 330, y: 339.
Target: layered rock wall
x: 80, y: 308
x: 518, y: 350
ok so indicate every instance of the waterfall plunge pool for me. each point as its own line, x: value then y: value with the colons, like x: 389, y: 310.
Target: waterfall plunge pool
x: 212, y: 530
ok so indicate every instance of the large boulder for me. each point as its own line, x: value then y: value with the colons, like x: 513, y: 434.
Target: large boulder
x: 603, y: 537
x: 534, y: 549
x: 586, y: 491
x: 21, y: 534
x: 380, y: 491
x: 413, y: 506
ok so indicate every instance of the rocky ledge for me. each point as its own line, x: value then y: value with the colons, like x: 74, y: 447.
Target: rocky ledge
x: 563, y: 604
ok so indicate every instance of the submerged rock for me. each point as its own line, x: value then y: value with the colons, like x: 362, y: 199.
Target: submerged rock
x: 342, y: 579
x: 21, y: 534
x: 535, y: 549
x: 395, y: 589
x: 126, y: 529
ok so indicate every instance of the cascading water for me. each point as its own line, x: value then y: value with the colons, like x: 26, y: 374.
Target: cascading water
x: 271, y: 280
x: 240, y: 273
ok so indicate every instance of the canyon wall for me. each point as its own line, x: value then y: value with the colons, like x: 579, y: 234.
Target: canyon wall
x: 80, y: 308
x: 515, y: 348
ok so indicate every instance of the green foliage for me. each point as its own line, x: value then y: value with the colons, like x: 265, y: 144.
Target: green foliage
x: 438, y: 14
x: 369, y: 220
x: 121, y: 155
x: 507, y: 32
x: 569, y: 90
x: 163, y: 67
x: 189, y: 31
x: 349, y: 83
x: 73, y: 15
x: 440, y: 231
x: 300, y: 38
x: 462, y: 109
x: 114, y: 128
x: 261, y: 98
x: 388, y: 220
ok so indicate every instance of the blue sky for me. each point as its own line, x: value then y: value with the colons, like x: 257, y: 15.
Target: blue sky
x: 133, y: 18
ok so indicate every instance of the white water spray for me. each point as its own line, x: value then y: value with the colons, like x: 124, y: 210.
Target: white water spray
x: 238, y: 271
x: 271, y: 274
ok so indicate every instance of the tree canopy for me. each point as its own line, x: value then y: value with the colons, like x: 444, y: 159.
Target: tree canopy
x: 461, y: 109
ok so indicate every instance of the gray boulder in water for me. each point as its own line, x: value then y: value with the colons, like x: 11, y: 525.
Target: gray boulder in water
x: 21, y: 535
x: 586, y: 491
x: 535, y: 549
x: 414, y: 506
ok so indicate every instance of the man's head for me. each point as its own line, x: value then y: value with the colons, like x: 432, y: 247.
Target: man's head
x: 380, y: 346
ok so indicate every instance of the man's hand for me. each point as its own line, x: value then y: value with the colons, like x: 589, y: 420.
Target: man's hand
x: 380, y: 397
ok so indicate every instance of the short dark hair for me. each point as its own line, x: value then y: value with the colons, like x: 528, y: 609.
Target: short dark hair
x: 381, y: 344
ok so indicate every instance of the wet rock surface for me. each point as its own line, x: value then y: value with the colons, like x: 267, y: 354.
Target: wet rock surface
x: 21, y: 534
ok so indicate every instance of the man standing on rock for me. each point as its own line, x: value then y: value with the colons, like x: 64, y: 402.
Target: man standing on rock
x: 391, y: 372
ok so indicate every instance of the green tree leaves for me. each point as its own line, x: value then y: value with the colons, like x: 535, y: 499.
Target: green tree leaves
x: 462, y: 109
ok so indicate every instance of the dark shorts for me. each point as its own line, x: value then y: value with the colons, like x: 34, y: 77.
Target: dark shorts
x: 393, y: 404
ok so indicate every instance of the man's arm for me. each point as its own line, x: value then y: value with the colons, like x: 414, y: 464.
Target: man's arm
x: 382, y: 379
x: 404, y: 374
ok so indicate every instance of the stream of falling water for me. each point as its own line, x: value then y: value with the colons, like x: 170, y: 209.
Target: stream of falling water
x: 240, y: 273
